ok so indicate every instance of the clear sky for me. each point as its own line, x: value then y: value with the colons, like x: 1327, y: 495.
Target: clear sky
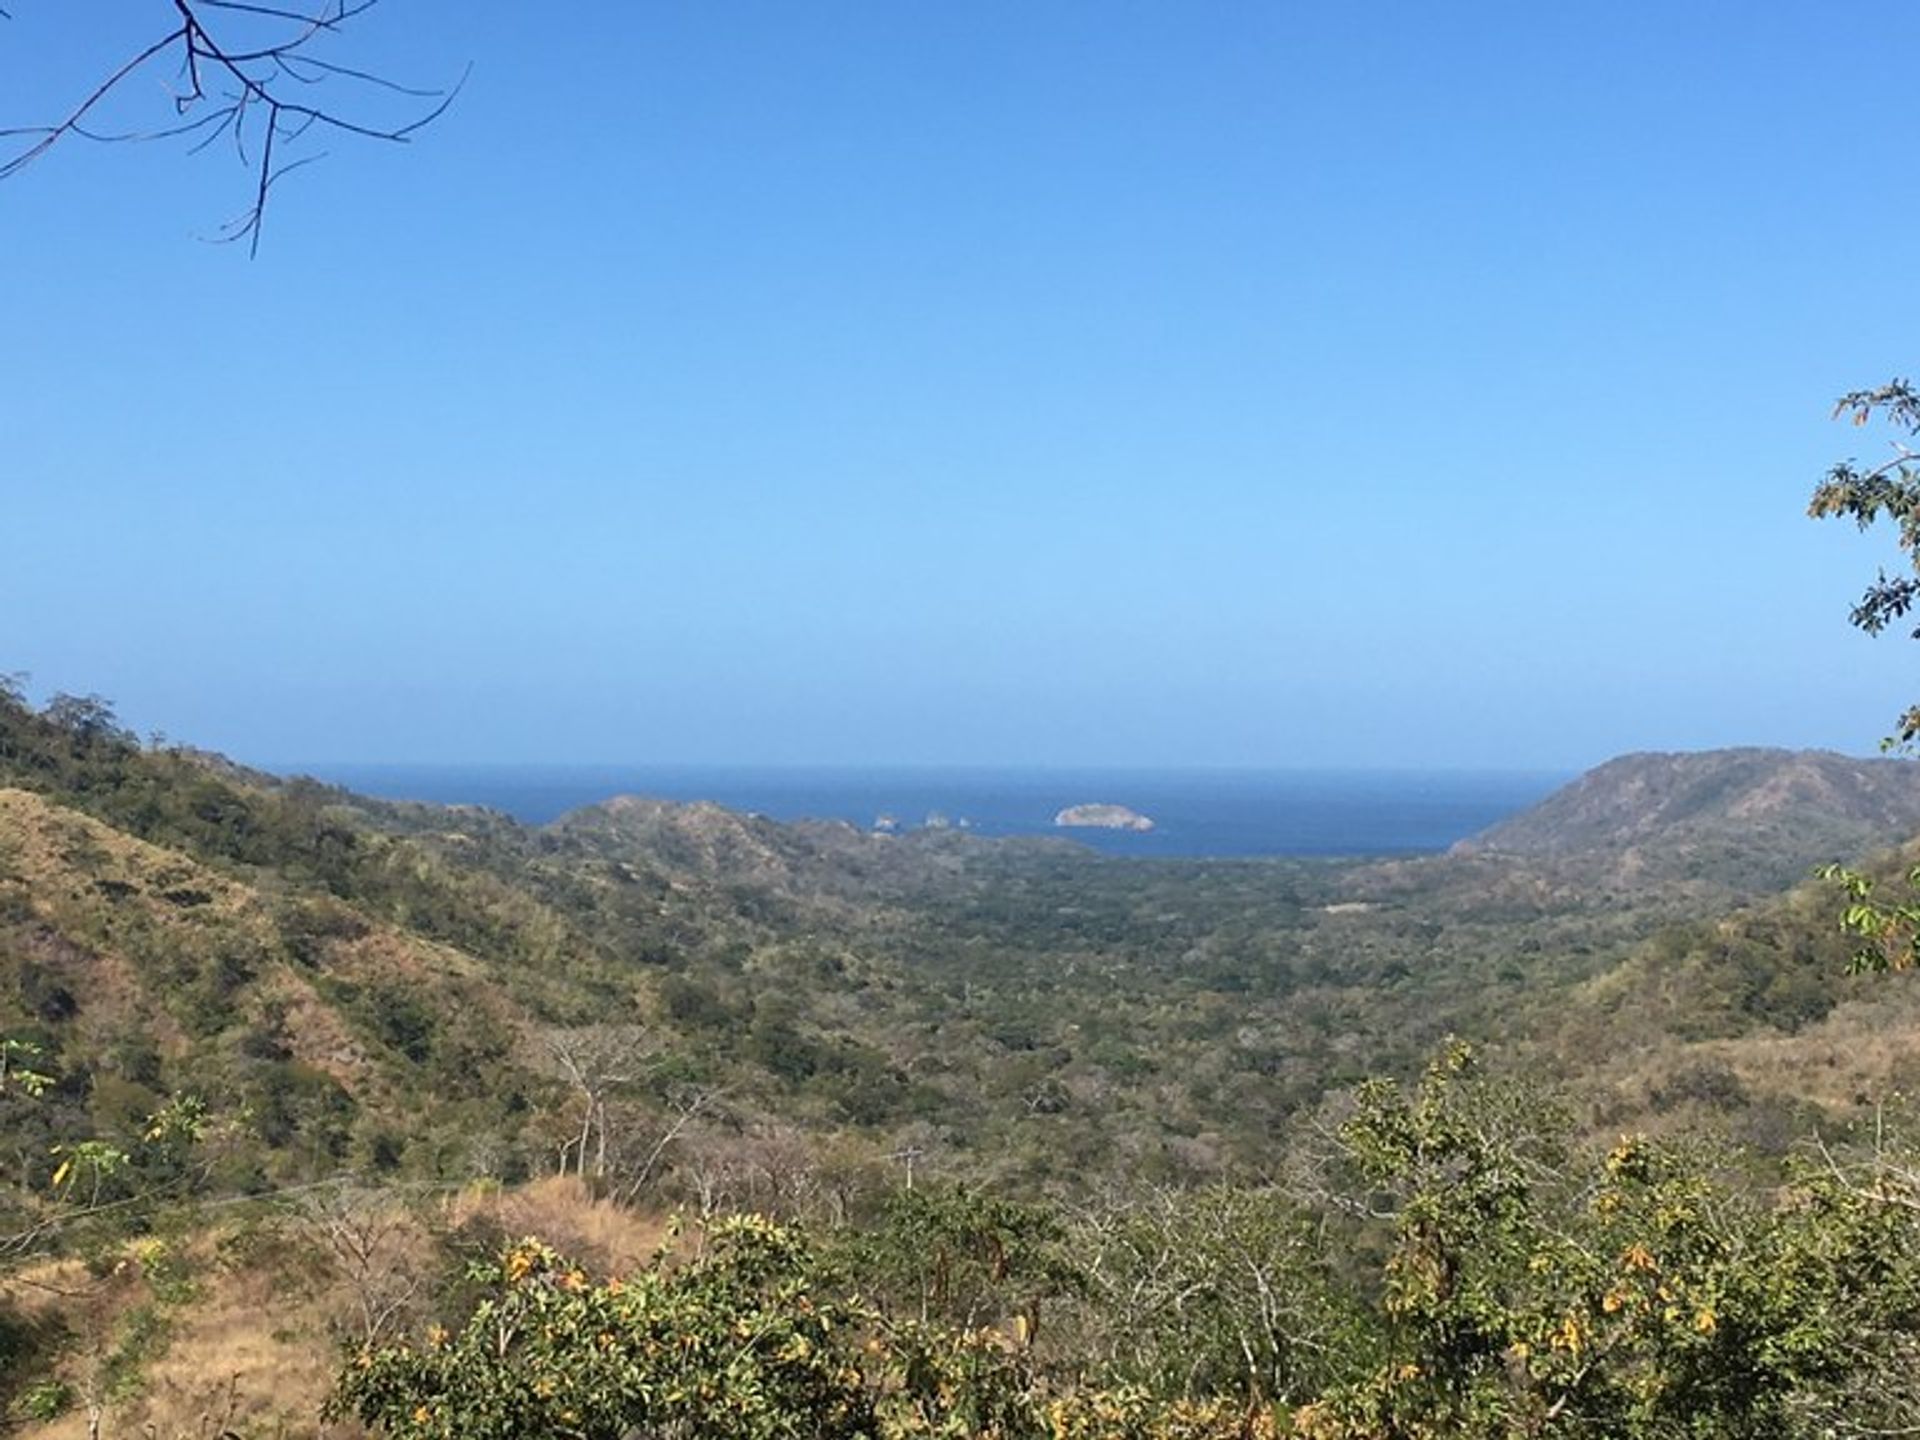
x: 1093, y: 383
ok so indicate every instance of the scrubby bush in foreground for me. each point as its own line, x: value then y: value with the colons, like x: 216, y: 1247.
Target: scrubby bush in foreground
x: 1476, y: 1281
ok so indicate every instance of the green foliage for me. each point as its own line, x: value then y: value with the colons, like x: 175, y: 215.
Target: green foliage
x: 47, y: 1400
x: 963, y: 1258
x: 1889, y: 933
x: 27, y: 1347
x: 1516, y: 1288
x: 140, y: 1338
x: 748, y: 1340
x: 16, y: 1069
x: 1888, y: 491
x: 1641, y: 1297
x: 86, y: 1167
x: 736, y: 1344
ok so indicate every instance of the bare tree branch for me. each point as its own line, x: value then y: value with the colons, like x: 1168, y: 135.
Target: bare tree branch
x: 241, y: 67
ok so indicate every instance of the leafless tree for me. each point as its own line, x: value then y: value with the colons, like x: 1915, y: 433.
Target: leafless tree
x: 258, y: 76
x: 367, y: 1234
x: 637, y: 1163
x: 1221, y: 1262
x: 598, y: 1061
x: 765, y: 1167
x: 1886, y: 1172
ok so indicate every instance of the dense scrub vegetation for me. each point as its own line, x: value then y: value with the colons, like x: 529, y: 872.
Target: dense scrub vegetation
x: 1452, y: 1270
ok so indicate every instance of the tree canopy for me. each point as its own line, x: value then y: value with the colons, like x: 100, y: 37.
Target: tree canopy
x: 1868, y: 494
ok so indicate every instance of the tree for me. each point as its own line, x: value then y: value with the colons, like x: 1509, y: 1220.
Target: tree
x: 17, y: 1058
x: 753, y: 1337
x: 738, y: 1343
x: 1889, y: 934
x: 1216, y: 1290
x: 261, y: 76
x: 367, y: 1235
x: 1530, y: 1289
x: 87, y: 719
x: 1890, y: 491
x: 598, y: 1060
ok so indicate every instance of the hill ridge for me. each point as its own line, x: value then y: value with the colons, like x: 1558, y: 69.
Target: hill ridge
x: 1768, y: 813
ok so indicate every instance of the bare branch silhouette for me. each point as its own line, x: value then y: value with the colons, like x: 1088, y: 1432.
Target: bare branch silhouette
x: 244, y: 71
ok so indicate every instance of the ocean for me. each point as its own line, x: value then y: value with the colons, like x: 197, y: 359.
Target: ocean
x: 1196, y: 813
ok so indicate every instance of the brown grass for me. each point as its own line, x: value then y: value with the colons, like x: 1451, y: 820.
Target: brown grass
x: 246, y: 1354
x: 560, y: 1210
x: 242, y: 1358
x: 255, y: 1348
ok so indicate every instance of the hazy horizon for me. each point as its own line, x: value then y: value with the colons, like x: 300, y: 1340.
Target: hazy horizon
x: 1195, y: 811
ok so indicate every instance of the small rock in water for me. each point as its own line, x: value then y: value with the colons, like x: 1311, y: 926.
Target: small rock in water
x: 1102, y: 817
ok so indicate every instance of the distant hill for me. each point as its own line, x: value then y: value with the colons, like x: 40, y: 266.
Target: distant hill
x: 1753, y: 819
x: 809, y: 859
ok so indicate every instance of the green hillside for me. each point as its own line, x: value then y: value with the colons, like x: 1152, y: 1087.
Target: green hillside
x: 1751, y: 820
x: 680, y: 1008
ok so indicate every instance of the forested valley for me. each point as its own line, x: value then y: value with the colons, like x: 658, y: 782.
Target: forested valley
x: 666, y: 1120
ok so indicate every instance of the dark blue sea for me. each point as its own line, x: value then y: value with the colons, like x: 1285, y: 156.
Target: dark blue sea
x: 1195, y: 812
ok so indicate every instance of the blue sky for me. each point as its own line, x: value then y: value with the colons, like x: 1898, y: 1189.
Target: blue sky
x: 1088, y: 383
